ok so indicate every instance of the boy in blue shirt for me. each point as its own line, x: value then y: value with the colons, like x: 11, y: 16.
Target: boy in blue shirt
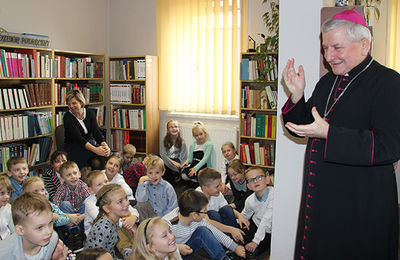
x: 17, y: 170
x: 155, y: 196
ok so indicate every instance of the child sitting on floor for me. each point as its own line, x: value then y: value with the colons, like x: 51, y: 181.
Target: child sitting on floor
x: 173, y: 152
x: 17, y: 170
x: 199, y: 153
x: 113, y: 205
x: 155, y: 240
x: 193, y: 232
x: 258, y: 209
x: 128, y: 156
x: 34, y: 237
x: 219, y: 213
x: 6, y: 222
x: 51, y: 177
x: 155, y: 196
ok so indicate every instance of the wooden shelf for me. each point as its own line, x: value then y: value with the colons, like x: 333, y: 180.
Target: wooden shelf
x: 25, y: 109
x: 259, y: 110
x: 24, y: 139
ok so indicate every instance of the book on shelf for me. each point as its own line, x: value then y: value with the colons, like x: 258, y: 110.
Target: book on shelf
x: 67, y: 67
x: 128, y: 69
x: 128, y: 118
x: 119, y: 138
x: 255, y: 68
x: 257, y: 154
x: 92, y: 92
x: 256, y: 98
x: 258, y: 125
x: 127, y: 93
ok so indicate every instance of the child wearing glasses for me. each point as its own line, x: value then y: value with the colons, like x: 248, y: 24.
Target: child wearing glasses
x: 258, y: 210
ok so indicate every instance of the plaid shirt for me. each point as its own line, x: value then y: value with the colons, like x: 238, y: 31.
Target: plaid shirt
x: 76, y: 196
x: 133, y: 174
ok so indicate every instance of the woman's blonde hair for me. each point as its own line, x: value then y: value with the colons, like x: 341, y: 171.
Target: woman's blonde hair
x: 199, y: 126
x: 77, y: 94
x: 143, y: 236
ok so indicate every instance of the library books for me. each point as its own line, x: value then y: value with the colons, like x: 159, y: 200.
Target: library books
x: 127, y: 69
x: 257, y: 69
x: 66, y: 67
x: 256, y: 98
x: 129, y: 118
x: 258, y: 125
x: 255, y: 153
x: 34, y: 151
x: 25, y: 96
x: 99, y: 113
x: 25, y: 63
x: 92, y: 92
x: 127, y: 93
x: 119, y: 138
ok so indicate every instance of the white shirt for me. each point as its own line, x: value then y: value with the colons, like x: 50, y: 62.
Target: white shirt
x: 261, y: 213
x: 222, y: 168
x: 6, y: 222
x: 91, y: 212
x: 119, y: 179
x: 215, y: 202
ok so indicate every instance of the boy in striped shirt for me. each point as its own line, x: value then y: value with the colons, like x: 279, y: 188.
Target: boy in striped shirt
x: 193, y: 232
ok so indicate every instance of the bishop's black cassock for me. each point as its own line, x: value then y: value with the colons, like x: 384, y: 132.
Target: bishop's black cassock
x: 349, y: 200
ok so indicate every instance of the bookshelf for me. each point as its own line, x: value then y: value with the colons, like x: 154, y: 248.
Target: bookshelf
x: 26, y: 108
x: 133, y: 93
x: 79, y: 70
x: 258, y: 110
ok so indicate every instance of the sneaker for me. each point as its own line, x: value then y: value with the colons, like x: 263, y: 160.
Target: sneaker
x: 74, y: 242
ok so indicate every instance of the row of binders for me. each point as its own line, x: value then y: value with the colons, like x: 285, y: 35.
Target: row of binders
x: 258, y: 125
x: 24, y: 96
x: 92, y: 92
x: 259, y: 69
x: 265, y: 98
x: 65, y: 67
x: 254, y: 153
x: 127, y: 93
x: 127, y: 69
x: 36, y: 151
x: 29, y: 124
x: 129, y: 118
x: 25, y: 63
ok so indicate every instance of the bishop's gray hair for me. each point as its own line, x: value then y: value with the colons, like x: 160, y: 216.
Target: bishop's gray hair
x: 355, y: 32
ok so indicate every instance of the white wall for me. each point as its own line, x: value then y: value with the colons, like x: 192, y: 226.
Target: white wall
x: 298, y: 36
x: 133, y: 29
x: 73, y: 25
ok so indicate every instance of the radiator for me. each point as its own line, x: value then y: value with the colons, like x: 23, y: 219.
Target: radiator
x: 218, y: 135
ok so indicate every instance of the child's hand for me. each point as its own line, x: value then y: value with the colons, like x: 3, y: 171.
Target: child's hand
x: 192, y: 172
x: 143, y: 179
x: 233, y: 205
x: 129, y: 222
x: 60, y: 252
x: 55, y: 217
x: 176, y: 163
x: 184, y: 164
x: 251, y: 247
x: 184, y: 249
x: 224, y: 188
x: 243, y: 222
x: 74, y: 219
x: 240, y: 251
x: 237, y: 234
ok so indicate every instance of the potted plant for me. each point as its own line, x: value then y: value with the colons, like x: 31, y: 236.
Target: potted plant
x: 265, y: 60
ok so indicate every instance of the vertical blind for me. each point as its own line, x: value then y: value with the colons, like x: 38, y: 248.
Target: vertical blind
x: 394, y: 36
x: 198, y: 44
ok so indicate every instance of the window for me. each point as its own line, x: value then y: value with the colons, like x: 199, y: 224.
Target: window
x: 199, y: 55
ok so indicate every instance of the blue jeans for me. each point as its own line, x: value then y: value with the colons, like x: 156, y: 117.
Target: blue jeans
x: 225, y: 215
x: 202, y: 237
x: 66, y: 207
